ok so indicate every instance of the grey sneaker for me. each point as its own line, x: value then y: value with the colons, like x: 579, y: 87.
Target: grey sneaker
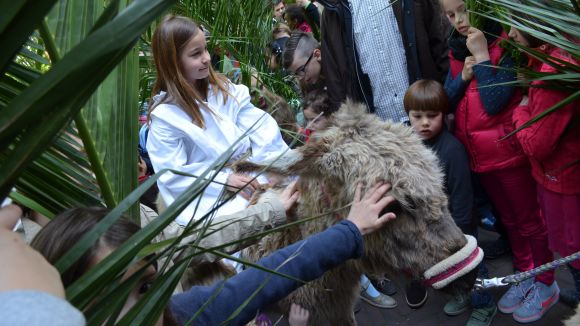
x: 538, y: 301
x: 458, y: 304
x: 513, y: 298
x: 382, y: 301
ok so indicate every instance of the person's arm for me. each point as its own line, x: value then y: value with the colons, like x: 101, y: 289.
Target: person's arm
x: 265, y: 137
x: 459, y: 188
x: 168, y: 150
x: 438, y: 29
x: 270, y: 212
x: 455, y: 89
x: 31, y: 291
x: 495, y: 97
x: 541, y: 138
x: 37, y: 308
x: 305, y: 260
x: 334, y: 61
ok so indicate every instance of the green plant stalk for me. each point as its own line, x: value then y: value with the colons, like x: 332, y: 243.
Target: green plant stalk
x: 96, y: 165
x: 83, y: 130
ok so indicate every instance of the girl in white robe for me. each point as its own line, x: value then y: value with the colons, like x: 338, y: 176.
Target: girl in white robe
x: 196, y: 116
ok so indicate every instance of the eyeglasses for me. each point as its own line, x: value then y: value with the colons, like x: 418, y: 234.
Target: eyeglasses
x: 301, y: 71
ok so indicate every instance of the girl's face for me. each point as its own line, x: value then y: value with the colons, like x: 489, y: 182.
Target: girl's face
x: 195, y: 59
x: 518, y: 37
x: 142, y: 286
x: 457, y: 14
x: 427, y: 124
x: 312, y: 122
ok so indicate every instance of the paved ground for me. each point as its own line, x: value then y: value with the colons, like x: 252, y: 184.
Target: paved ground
x: 432, y: 312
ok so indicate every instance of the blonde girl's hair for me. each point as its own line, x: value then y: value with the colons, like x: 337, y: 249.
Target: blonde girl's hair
x: 169, y: 40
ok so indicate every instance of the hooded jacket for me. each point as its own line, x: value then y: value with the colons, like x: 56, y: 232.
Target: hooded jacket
x: 552, y: 143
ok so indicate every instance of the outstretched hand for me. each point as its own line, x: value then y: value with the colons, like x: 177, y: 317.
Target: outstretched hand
x: 289, y: 196
x: 298, y: 316
x: 364, y: 213
x: 24, y: 268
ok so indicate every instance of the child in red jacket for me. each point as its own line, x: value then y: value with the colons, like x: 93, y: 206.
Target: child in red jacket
x: 483, y: 115
x: 552, y: 145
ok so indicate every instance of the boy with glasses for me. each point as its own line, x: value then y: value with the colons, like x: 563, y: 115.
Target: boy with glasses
x: 302, y: 57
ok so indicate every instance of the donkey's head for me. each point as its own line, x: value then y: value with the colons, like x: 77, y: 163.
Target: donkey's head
x: 358, y: 147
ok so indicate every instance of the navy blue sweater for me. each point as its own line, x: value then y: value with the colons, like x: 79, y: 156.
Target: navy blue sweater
x: 493, y: 94
x: 455, y: 164
x: 306, y: 260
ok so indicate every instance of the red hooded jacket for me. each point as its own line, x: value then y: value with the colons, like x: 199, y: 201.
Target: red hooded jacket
x: 552, y: 143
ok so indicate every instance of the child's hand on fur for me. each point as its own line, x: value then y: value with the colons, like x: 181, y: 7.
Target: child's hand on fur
x: 364, y: 212
x: 289, y: 196
x: 298, y: 316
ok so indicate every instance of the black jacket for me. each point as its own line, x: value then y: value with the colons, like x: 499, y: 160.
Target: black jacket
x: 424, y: 33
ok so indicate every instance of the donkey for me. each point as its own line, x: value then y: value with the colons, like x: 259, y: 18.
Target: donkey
x: 423, y: 241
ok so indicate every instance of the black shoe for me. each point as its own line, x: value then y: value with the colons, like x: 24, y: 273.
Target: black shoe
x: 496, y: 249
x: 415, y: 294
x: 385, y: 286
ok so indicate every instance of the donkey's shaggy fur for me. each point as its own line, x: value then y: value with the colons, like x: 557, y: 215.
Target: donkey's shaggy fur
x: 359, y: 147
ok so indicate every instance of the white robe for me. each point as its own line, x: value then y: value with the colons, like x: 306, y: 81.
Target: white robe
x: 175, y: 142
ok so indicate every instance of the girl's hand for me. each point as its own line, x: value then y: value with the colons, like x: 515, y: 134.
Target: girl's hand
x: 477, y: 44
x: 364, y: 212
x: 289, y: 196
x: 467, y: 73
x: 298, y: 316
x: 238, y: 181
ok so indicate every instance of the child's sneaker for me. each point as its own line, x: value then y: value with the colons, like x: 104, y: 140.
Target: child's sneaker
x: 538, y: 301
x: 458, y: 304
x: 482, y: 316
x: 513, y: 298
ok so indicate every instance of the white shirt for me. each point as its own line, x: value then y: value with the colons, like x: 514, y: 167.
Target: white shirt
x: 175, y: 142
x: 381, y: 55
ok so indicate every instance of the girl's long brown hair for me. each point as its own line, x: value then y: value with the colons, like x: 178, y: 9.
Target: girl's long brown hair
x: 169, y: 39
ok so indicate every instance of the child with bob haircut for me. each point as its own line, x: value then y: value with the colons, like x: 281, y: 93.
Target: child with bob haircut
x: 552, y: 145
x: 484, y: 106
x: 426, y: 103
x: 196, y: 116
